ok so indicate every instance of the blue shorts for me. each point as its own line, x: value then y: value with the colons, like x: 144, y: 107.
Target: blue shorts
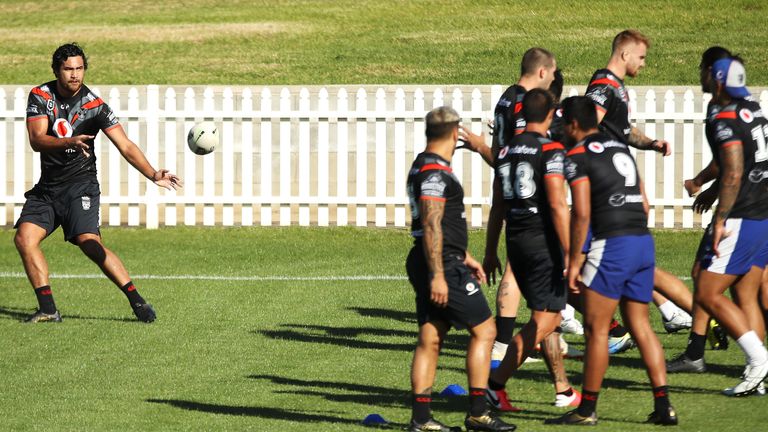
x: 621, y: 267
x: 743, y: 248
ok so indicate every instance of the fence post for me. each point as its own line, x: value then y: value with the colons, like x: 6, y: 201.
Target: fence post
x: 209, y: 165
x: 323, y: 141
x: 19, y: 154
x: 190, y: 161
x: 304, y: 157
x: 228, y: 158
x: 171, y: 139
x: 153, y: 138
x: 266, y: 156
x: 115, y: 175
x: 342, y: 159
x: 3, y: 162
x: 476, y: 161
x: 400, y: 172
x: 688, y: 155
x: 381, y: 151
x: 649, y: 157
x: 246, y: 182
x: 361, y: 157
x: 134, y: 133
x: 285, y: 156
x: 670, y: 182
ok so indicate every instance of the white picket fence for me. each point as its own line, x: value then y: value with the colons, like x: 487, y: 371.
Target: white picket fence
x: 319, y: 156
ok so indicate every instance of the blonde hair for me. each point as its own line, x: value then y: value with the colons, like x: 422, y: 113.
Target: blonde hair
x: 629, y: 36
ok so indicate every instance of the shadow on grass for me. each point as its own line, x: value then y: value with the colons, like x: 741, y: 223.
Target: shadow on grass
x: 397, y: 315
x: 358, y: 337
x: 22, y: 314
x: 255, y: 411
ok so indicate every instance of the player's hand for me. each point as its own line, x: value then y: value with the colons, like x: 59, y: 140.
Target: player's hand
x: 476, y: 268
x: 439, y: 290
x: 704, y: 200
x: 663, y: 146
x: 165, y: 179
x: 471, y: 141
x: 79, y: 142
x: 691, y: 187
x: 492, y: 265
x: 719, y: 233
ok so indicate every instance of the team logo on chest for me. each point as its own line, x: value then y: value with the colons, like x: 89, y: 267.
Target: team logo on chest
x: 62, y: 128
x: 746, y: 115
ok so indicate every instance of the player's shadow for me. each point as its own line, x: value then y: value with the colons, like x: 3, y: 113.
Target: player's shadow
x: 256, y: 411
x: 396, y: 315
x: 360, y: 337
x: 22, y: 314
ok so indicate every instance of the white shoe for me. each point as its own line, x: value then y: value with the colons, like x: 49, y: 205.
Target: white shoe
x: 680, y: 321
x: 568, y: 351
x: 562, y: 401
x: 752, y: 379
x: 572, y: 326
x: 497, y: 353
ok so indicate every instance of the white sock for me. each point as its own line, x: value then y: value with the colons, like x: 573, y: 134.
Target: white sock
x: 568, y: 313
x: 753, y: 348
x: 500, y: 347
x: 668, y: 309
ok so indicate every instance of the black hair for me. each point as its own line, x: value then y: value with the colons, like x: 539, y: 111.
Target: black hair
x: 581, y: 109
x: 713, y: 54
x: 556, y: 88
x: 535, y: 58
x: 537, y: 104
x: 66, y: 51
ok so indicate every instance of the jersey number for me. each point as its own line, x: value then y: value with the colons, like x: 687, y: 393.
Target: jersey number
x: 414, y: 204
x: 760, y: 136
x: 626, y: 167
x: 524, y: 185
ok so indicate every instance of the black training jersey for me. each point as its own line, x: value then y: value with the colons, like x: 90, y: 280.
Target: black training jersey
x: 523, y: 165
x: 556, y: 131
x: 431, y: 178
x: 610, y: 96
x: 82, y: 114
x: 616, y: 200
x: 508, y: 118
x: 743, y: 123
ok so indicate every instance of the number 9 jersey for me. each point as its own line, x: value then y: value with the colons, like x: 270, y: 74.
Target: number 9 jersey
x: 615, y: 194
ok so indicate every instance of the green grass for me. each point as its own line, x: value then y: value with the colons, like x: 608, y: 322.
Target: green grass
x: 282, y: 355
x: 367, y: 41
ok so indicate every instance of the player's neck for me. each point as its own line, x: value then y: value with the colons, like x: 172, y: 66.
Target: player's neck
x: 65, y: 93
x: 539, y: 128
x: 579, y: 135
x: 442, y: 148
x: 527, y: 82
x: 617, y: 68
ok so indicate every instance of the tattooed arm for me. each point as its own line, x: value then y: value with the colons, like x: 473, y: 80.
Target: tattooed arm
x: 732, y: 158
x: 640, y: 141
x: 432, y: 211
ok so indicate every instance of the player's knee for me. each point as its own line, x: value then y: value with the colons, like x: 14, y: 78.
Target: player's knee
x: 93, y: 249
x: 24, y: 242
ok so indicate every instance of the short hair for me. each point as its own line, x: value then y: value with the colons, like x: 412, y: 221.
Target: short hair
x: 537, y: 104
x: 629, y: 36
x: 556, y: 88
x: 582, y: 109
x: 66, y: 51
x: 535, y: 58
x: 440, y: 122
x: 713, y: 54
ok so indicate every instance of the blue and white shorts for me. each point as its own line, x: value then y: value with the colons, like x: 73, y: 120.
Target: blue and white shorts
x: 621, y: 267
x: 743, y: 248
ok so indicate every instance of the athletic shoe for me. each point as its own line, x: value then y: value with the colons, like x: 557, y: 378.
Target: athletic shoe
x: 760, y: 390
x: 498, y: 400
x: 497, y: 353
x: 680, y: 321
x: 568, y: 351
x: 432, y: 426
x: 144, y: 312
x: 40, y: 317
x: 752, y: 378
x: 573, y: 418
x: 667, y: 417
x: 562, y: 401
x: 683, y: 363
x: 572, y: 326
x: 487, y: 422
x: 620, y: 344
x: 717, y: 336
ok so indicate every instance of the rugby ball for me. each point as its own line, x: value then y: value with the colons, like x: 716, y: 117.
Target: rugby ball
x: 203, y: 138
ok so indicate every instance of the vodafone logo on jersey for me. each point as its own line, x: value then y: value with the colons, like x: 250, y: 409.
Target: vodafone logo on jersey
x: 746, y: 115
x: 596, y: 147
x: 62, y: 128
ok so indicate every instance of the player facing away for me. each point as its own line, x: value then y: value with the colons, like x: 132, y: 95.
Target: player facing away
x: 446, y: 278
x: 732, y: 247
x: 530, y: 169
x: 608, y: 196
x: 63, y: 117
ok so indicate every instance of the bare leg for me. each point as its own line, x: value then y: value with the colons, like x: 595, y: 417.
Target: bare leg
x: 27, y: 239
x: 745, y: 294
x: 541, y: 324
x: 553, y: 356
x: 508, y: 296
x: 635, y: 314
x: 107, y: 261
x: 709, y: 294
x: 672, y: 288
x: 598, y: 313
x: 479, y: 353
x: 424, y: 366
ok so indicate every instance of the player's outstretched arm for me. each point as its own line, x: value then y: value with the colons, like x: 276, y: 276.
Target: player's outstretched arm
x: 432, y: 211
x: 40, y: 141
x: 581, y: 214
x: 476, y: 143
x: 640, y: 141
x: 705, y: 199
x: 133, y: 154
x: 709, y: 173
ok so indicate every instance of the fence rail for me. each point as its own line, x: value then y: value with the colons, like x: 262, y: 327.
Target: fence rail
x: 320, y: 155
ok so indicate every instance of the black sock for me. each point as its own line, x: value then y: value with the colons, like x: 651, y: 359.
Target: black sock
x: 588, y: 403
x: 695, y: 348
x: 660, y: 398
x: 45, y: 299
x: 616, y: 330
x: 505, y: 328
x: 420, y: 412
x: 493, y: 385
x: 477, y: 404
x: 133, y: 295
x: 568, y: 392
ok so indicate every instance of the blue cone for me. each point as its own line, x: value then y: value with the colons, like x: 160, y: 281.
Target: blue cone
x: 453, y: 390
x: 374, y: 420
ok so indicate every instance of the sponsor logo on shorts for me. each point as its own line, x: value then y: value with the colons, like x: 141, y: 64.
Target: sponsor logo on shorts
x: 471, y: 288
x: 86, y: 201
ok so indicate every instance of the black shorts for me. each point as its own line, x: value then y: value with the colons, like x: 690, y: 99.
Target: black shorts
x: 537, y: 263
x: 467, y: 306
x: 74, y: 207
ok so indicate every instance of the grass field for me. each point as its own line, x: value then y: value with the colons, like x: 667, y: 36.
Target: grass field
x: 283, y: 355
x: 368, y: 41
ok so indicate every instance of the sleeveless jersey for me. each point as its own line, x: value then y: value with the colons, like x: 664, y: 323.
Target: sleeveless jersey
x: 82, y: 114
x: 616, y: 200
